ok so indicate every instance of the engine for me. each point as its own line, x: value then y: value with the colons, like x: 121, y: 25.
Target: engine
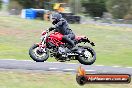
x: 62, y: 52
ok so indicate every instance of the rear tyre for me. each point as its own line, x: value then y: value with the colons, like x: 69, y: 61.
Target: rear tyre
x: 38, y: 56
x: 88, y: 57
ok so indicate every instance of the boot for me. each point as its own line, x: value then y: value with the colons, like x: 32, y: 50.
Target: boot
x: 74, y: 48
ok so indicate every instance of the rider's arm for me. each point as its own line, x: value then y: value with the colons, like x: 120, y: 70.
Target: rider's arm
x: 51, y: 28
x: 56, y: 26
x: 60, y: 23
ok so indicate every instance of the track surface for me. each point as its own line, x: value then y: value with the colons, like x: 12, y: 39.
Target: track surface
x: 58, y: 66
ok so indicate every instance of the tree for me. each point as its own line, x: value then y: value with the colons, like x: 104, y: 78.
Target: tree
x: 94, y: 7
x: 129, y: 15
x: 0, y: 4
x: 75, y: 6
x: 31, y: 3
x: 118, y: 8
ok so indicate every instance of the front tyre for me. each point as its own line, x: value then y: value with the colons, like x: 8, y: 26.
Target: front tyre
x: 88, y: 56
x: 36, y: 55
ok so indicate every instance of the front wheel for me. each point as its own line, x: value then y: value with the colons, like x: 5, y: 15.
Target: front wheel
x: 88, y: 56
x: 38, y: 56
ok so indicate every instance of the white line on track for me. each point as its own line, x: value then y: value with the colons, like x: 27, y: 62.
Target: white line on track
x: 53, y: 68
x: 90, y: 70
x: 128, y: 67
x: 116, y: 66
x: 69, y: 69
x: 28, y: 60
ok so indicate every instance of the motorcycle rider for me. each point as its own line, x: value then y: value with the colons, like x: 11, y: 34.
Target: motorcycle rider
x: 62, y: 26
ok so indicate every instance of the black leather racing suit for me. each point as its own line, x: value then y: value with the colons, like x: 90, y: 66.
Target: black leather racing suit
x: 62, y: 27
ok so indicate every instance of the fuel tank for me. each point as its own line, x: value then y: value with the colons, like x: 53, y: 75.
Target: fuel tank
x: 56, y: 35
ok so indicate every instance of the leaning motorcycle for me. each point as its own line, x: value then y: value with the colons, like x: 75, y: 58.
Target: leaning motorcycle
x: 53, y: 45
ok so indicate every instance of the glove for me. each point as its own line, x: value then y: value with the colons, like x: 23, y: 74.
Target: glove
x: 51, y: 28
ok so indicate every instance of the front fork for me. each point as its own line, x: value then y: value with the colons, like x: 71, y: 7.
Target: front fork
x: 42, y: 47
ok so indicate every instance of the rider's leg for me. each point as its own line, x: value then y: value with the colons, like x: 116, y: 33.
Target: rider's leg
x: 69, y: 39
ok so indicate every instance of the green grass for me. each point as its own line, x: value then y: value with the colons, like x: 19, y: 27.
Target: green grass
x: 9, y: 79
x: 113, y: 44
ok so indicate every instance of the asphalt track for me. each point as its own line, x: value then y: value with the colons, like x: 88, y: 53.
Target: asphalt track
x: 61, y: 66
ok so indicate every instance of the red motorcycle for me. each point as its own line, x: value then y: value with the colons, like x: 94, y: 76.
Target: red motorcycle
x: 53, y: 45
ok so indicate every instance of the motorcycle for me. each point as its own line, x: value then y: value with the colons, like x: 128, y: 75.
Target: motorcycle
x: 53, y: 45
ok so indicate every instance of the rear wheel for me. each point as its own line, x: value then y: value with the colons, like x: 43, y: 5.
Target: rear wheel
x: 88, y: 56
x: 38, y: 56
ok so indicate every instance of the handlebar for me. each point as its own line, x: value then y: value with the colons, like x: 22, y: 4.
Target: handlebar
x: 47, y: 31
x: 44, y: 32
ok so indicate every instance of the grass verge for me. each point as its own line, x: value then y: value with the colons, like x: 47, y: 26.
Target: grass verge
x: 9, y: 79
x: 113, y: 44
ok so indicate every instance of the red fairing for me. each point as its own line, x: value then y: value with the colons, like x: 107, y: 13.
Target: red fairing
x: 55, y: 38
x: 56, y: 35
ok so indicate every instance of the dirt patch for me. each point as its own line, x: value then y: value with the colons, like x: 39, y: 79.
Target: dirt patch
x: 10, y: 32
x: 16, y: 32
x: 35, y: 32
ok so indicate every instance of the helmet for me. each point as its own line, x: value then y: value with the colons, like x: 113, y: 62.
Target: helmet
x: 56, y: 17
